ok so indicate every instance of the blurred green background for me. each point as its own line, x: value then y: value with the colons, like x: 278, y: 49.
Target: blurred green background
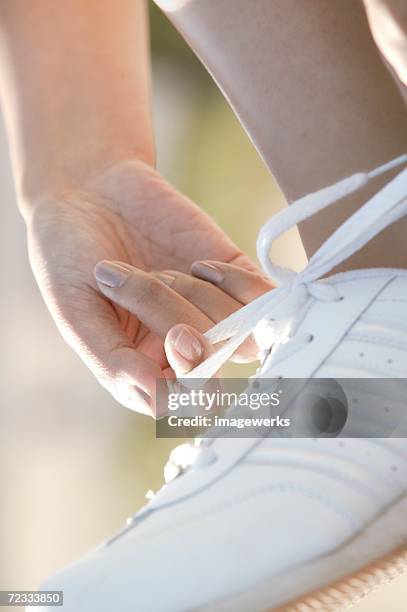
x: 73, y: 463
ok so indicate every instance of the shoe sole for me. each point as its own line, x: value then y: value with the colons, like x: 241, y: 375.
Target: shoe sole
x: 349, y: 591
x: 335, y: 581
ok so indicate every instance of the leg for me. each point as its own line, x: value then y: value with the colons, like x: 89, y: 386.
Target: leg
x: 309, y: 85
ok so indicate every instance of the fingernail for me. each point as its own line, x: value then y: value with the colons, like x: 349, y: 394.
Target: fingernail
x: 207, y: 272
x: 188, y: 345
x: 167, y: 279
x: 111, y: 274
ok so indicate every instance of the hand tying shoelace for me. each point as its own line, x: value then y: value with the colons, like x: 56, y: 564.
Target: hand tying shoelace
x: 265, y: 316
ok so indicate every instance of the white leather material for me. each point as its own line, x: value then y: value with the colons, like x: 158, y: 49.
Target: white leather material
x: 396, y: 293
x: 375, y: 410
x: 329, y: 323
x: 376, y: 346
x: 196, y: 480
x: 285, y: 504
x: 173, y: 570
x: 378, y: 465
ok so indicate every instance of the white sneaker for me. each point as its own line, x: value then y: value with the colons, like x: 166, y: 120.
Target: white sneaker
x: 269, y: 523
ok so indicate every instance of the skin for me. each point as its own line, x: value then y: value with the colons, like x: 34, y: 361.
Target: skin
x: 74, y: 82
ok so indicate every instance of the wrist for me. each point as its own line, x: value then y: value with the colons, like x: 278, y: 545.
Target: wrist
x: 75, y: 173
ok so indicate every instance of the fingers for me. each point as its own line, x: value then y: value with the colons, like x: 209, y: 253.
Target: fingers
x: 153, y: 302
x: 241, y: 285
x: 182, y: 306
x: 211, y: 300
x: 161, y: 310
x: 186, y: 348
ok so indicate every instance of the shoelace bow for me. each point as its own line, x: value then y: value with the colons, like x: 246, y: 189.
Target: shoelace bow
x: 293, y: 288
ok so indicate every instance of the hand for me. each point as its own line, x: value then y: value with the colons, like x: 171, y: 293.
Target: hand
x: 184, y: 306
x: 130, y: 213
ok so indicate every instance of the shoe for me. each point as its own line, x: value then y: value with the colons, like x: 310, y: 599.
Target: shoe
x: 265, y: 523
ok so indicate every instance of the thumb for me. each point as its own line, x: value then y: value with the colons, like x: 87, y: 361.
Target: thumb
x: 186, y: 348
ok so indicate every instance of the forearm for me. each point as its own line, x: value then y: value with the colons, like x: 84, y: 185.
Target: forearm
x: 74, y: 78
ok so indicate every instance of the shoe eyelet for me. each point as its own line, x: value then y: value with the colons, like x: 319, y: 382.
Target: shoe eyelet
x: 311, y: 338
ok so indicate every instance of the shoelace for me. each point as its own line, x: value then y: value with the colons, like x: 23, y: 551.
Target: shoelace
x: 286, y: 301
x: 293, y: 288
